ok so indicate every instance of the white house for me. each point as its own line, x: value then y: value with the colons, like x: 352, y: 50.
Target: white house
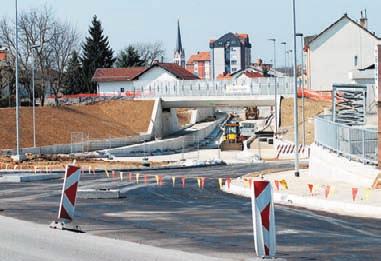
x: 340, y: 53
x: 122, y: 81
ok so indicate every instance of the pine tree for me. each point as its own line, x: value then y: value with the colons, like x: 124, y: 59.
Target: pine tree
x: 73, y: 77
x: 128, y: 57
x: 96, y: 53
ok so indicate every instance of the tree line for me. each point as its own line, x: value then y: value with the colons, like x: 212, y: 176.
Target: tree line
x: 63, y: 63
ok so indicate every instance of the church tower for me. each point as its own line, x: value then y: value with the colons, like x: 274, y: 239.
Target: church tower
x: 179, y: 54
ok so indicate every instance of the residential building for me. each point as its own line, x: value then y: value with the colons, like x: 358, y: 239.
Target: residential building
x: 339, y: 53
x: 179, y: 54
x: 121, y: 81
x: 230, y: 53
x: 199, y: 65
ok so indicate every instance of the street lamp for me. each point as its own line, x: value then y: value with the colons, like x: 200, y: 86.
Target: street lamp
x: 296, y: 131
x: 34, y: 47
x: 17, y: 89
x: 285, y: 56
x: 302, y: 85
x: 275, y: 88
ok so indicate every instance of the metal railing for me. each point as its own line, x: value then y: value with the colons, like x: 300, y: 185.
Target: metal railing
x: 354, y: 143
x: 242, y: 87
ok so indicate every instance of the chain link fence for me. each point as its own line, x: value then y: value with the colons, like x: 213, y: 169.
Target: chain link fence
x: 354, y: 143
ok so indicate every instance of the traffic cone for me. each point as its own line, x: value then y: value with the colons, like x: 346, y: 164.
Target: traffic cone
x: 157, y: 179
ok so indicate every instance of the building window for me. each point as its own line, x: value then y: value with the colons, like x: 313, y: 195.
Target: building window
x: 234, y: 69
x: 234, y: 61
x: 121, y: 89
x: 355, y: 60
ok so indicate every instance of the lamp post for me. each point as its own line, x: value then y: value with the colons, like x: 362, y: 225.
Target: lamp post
x: 296, y: 131
x: 285, y: 56
x: 33, y: 96
x: 275, y: 88
x: 302, y: 85
x: 17, y: 88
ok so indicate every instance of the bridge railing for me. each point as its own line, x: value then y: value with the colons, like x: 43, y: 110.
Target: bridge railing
x: 260, y: 86
x: 351, y: 142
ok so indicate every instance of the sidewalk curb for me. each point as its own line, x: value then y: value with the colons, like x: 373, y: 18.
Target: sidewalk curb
x: 308, y: 202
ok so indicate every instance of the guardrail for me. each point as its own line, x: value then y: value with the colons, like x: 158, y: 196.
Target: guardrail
x: 354, y: 143
x: 157, y: 89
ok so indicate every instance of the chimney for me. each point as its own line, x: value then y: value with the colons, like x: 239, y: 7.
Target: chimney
x: 364, y: 20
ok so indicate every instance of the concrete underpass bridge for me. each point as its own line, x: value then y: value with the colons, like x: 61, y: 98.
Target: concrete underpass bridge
x: 208, y: 94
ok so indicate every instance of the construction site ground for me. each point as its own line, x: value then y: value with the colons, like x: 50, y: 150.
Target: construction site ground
x: 312, y: 108
x: 54, y: 125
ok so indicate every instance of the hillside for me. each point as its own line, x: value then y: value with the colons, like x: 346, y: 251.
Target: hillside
x: 55, y: 125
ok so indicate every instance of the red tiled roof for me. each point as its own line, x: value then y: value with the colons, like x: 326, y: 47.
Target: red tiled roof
x: 117, y: 74
x: 178, y: 71
x: 133, y: 73
x: 224, y: 76
x: 200, y: 56
x: 253, y: 74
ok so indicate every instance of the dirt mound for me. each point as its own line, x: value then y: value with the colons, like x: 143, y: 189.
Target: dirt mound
x: 312, y: 108
x: 55, y: 125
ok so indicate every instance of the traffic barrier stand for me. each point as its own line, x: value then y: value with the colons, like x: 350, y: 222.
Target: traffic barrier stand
x: 354, y: 193
x: 276, y: 182
x: 107, y: 174
x: 183, y: 182
x: 327, y: 190
x: 68, y: 200
x: 137, y: 178
x: 220, y: 182
x: 173, y: 181
x: 263, y: 219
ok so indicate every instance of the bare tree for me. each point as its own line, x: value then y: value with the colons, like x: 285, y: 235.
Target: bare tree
x: 149, y: 52
x: 65, y: 39
x: 39, y: 27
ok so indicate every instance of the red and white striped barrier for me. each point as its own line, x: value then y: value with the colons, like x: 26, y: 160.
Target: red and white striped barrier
x: 68, y: 197
x: 290, y: 149
x: 263, y: 219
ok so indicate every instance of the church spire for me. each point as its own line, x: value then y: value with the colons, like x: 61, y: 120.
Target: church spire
x: 179, y: 55
x: 179, y: 46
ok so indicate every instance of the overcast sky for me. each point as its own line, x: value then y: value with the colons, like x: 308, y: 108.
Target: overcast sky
x: 130, y: 21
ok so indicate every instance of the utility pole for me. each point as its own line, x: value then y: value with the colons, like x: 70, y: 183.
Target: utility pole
x: 285, y: 56
x: 302, y: 86
x: 296, y: 131
x: 33, y: 95
x: 17, y: 89
x: 275, y: 88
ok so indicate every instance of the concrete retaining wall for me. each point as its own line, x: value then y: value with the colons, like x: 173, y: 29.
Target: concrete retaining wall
x: 328, y: 164
x: 171, y: 144
x: 201, y: 114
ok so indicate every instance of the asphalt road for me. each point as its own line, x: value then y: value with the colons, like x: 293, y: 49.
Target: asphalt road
x: 204, y: 221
